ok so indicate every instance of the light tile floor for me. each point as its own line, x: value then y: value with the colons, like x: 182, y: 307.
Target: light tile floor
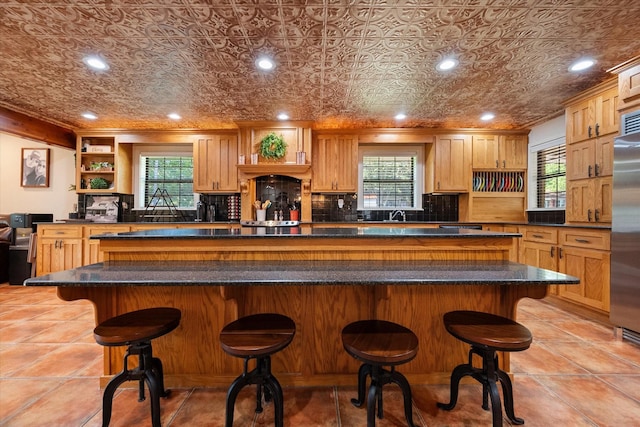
x: 574, y: 374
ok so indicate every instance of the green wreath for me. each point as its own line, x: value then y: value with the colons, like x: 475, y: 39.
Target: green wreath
x: 273, y: 146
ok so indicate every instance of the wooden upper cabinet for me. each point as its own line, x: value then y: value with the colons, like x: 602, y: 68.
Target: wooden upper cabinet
x: 500, y: 152
x: 629, y: 87
x: 593, y: 116
x: 335, y: 163
x: 452, y: 163
x: 215, y: 159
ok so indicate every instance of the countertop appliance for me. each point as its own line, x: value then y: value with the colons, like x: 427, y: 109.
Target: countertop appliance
x: 625, y: 230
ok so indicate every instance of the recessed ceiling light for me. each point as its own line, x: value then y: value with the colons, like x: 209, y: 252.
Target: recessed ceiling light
x: 582, y: 64
x: 174, y: 116
x: 265, y: 63
x: 487, y: 116
x: 401, y: 116
x: 447, y: 64
x: 89, y: 115
x: 96, y: 63
x: 283, y: 116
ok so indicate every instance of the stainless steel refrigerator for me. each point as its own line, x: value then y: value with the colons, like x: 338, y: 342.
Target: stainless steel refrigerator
x: 625, y: 231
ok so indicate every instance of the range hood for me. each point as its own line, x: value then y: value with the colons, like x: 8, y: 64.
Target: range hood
x: 292, y: 170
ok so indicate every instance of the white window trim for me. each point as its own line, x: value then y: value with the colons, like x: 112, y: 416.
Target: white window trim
x: 154, y: 150
x: 532, y: 160
x: 394, y: 150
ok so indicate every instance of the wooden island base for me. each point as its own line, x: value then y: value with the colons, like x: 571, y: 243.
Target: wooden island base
x: 192, y: 355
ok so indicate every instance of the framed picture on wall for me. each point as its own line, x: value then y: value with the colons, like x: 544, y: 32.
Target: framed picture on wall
x: 34, y: 171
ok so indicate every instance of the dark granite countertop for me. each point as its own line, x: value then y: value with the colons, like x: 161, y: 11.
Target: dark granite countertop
x: 297, y: 232
x: 272, y: 273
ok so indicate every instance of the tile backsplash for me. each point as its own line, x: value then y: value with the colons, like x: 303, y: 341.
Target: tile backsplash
x: 325, y: 208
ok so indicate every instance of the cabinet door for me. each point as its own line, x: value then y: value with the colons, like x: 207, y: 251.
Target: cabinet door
x: 541, y: 255
x: 580, y: 160
x: 486, y: 152
x: 215, y: 164
x: 346, y: 162
x: 579, y: 197
x: 453, y: 163
x: 607, y: 117
x: 513, y: 151
x: 578, y: 117
x: 593, y: 268
x: 603, y: 156
x: 603, y: 203
x: 589, y: 200
x: 57, y: 255
x: 335, y: 163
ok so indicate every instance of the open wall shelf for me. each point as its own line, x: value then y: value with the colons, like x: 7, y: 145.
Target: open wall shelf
x: 498, y: 182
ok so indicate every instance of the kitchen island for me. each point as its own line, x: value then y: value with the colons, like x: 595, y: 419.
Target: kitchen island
x: 321, y: 278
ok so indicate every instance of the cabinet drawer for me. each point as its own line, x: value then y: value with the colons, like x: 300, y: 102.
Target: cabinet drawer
x: 59, y: 232
x: 591, y: 239
x: 97, y: 229
x: 540, y: 234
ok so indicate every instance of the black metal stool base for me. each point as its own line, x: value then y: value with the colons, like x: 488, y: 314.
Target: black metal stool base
x: 267, y: 385
x: 149, y: 370
x: 379, y: 377
x: 488, y: 376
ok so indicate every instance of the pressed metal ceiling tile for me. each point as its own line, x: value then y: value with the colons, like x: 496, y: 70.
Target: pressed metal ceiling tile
x: 339, y: 63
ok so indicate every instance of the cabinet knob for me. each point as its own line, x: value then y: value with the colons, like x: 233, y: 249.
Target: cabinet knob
x: 589, y: 131
x: 559, y: 253
x: 589, y: 171
x: 597, y: 169
x: 497, y: 164
x: 589, y: 215
x: 597, y: 215
x: 553, y: 251
x: 597, y: 129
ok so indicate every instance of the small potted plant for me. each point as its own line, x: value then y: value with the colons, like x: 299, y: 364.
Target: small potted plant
x: 273, y: 146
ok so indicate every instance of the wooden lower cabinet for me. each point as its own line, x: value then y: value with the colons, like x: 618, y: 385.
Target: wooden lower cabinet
x: 539, y: 247
x: 580, y: 252
x: 59, y: 247
x: 92, y: 253
x: 586, y: 254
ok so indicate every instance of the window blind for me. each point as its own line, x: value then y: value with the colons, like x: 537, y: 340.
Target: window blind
x: 171, y: 173
x: 388, y: 181
x: 551, y: 177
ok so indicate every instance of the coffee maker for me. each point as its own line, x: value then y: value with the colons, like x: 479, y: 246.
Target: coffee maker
x: 22, y: 250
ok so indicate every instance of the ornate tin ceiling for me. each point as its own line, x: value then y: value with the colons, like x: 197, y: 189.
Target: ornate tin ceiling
x: 339, y: 63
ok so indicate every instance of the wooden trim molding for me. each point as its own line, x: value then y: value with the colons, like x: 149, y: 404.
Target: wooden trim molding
x: 31, y: 128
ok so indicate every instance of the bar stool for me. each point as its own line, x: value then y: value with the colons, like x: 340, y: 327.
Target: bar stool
x: 136, y: 329
x: 378, y: 343
x: 487, y: 333
x: 257, y: 337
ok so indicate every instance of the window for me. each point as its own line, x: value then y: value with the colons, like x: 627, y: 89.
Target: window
x: 390, y: 177
x: 168, y: 169
x: 551, y: 171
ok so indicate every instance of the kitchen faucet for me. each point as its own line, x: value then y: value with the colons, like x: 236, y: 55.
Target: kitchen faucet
x: 393, y: 214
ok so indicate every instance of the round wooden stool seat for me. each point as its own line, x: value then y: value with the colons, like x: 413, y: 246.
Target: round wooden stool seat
x: 136, y: 329
x: 378, y: 343
x: 486, y: 333
x: 488, y: 330
x: 136, y: 326
x: 257, y: 336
